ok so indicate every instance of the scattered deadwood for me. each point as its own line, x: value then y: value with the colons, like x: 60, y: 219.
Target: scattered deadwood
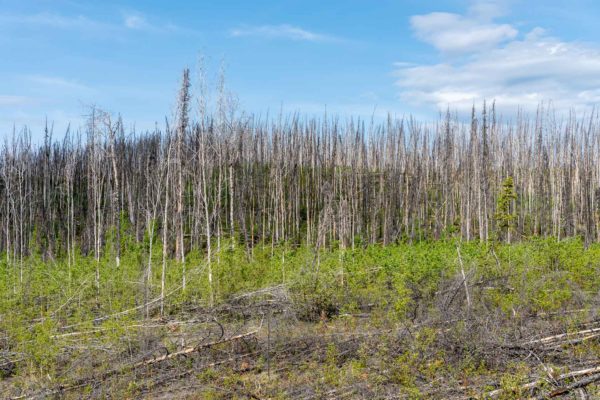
x: 594, y: 372
x: 228, y: 351
x: 193, y: 349
x: 126, y: 368
x: 555, y: 338
x: 571, y: 387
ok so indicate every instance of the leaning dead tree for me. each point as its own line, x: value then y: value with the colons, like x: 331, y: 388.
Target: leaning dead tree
x: 231, y: 176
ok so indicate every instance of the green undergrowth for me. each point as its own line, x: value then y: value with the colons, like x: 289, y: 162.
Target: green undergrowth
x: 38, y: 298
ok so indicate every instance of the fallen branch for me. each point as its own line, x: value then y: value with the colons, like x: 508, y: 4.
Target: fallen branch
x: 534, y: 384
x: 575, y: 385
x: 553, y: 338
x: 180, y: 375
x: 193, y: 349
x: 573, y: 341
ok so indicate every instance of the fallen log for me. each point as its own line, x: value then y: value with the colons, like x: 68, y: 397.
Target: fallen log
x: 553, y: 338
x: 193, y: 349
x: 572, y: 341
x: 534, y: 384
x: 573, y: 386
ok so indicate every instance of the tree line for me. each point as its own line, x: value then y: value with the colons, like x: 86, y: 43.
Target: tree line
x: 206, y: 177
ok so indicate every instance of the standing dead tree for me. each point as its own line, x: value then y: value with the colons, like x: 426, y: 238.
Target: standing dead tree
x: 256, y: 180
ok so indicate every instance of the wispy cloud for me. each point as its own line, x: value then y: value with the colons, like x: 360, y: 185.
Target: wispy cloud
x: 488, y: 9
x: 12, y: 101
x: 135, y: 22
x: 130, y: 21
x: 53, y: 20
x: 57, y: 82
x: 283, y: 31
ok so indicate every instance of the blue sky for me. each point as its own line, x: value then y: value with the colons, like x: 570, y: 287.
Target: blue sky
x: 351, y: 57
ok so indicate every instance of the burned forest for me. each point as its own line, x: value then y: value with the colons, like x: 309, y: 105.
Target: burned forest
x: 227, y: 255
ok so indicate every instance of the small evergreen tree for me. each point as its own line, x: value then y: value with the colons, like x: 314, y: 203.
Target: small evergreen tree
x: 505, y: 216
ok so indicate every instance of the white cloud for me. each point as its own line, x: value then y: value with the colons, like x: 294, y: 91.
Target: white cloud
x: 454, y: 33
x: 283, y: 31
x: 525, y: 72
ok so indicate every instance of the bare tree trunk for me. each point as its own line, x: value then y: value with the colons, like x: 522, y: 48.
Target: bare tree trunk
x: 165, y: 228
